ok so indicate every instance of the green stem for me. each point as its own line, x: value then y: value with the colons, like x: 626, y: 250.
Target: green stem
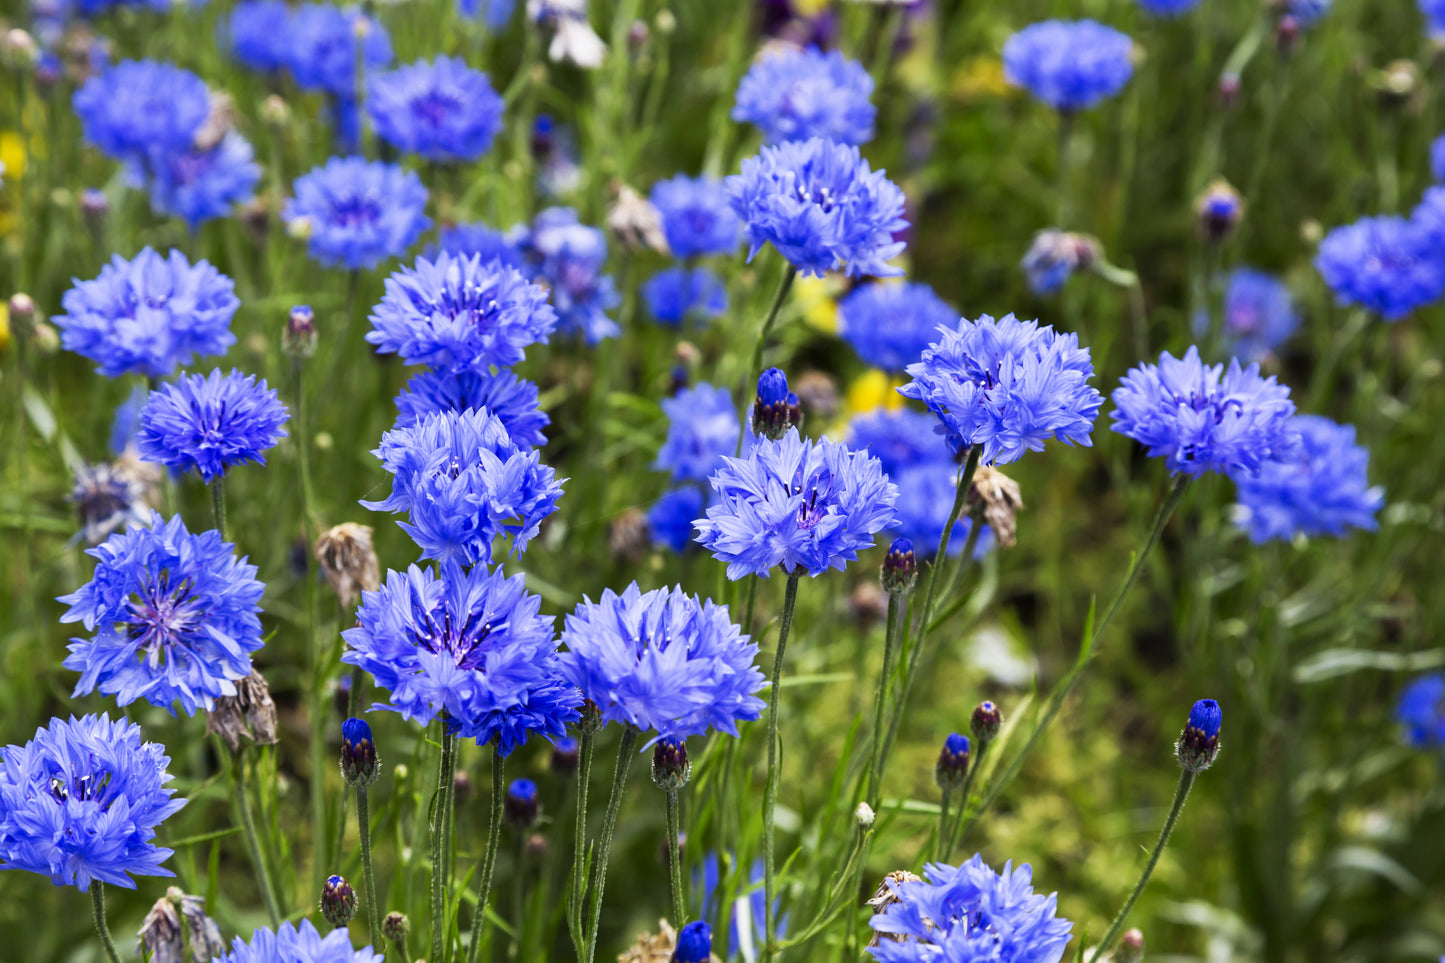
x: 253, y: 843
x: 1171, y: 501
x: 942, y: 842
x: 363, y: 826
x: 303, y: 454
x: 963, y: 797
x: 790, y: 274
x: 97, y: 904
x: 674, y: 861
x: 770, y: 796
x: 446, y: 775
x: 218, y: 503
x: 880, y: 699
x: 1066, y: 136
x: 1186, y: 781
x: 401, y: 948
x: 577, y: 891
x: 519, y: 894
x: 609, y: 825
x: 489, y: 860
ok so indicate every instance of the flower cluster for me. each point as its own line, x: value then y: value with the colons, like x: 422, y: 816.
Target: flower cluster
x: 1387, y: 265
x: 357, y: 213
x: 799, y: 94
x: 1007, y: 386
x: 702, y: 428
x: 292, y: 943
x: 890, y: 325
x: 662, y: 661
x: 669, y: 520
x: 210, y: 422
x: 1259, y: 314
x: 567, y: 256
x: 674, y: 294
x: 470, y: 644
x: 257, y: 32
x: 1069, y: 65
x: 511, y: 399
x: 443, y: 110
x: 1319, y: 487
x: 696, y: 216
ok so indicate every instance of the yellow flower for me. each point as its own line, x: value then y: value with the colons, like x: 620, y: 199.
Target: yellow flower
x: 872, y: 390
x: 12, y: 154
x: 979, y: 78
x: 817, y: 301
x: 4, y: 326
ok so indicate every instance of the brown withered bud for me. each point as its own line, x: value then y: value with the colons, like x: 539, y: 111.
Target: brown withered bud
x: 999, y: 498
x: 255, y: 218
x: 627, y: 536
x: 818, y: 393
x: 249, y: 714
x: 218, y: 123
x: 635, y: 223
x: 348, y: 561
x: 885, y: 896
x: 650, y: 948
x: 162, y: 935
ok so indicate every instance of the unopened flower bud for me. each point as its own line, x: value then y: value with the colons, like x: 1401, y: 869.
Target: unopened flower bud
x: 1219, y: 210
x: 348, y: 561
x: 1130, y: 948
x: 300, y: 228
x: 395, y: 926
x: 1287, y: 34
x: 900, y: 568
x: 952, y: 765
x: 864, y: 816
x: 298, y: 338
x: 775, y: 409
x: 566, y: 756
x: 338, y: 901
x: 536, y: 847
x: 591, y: 719
x: 360, y: 763
x: 1229, y: 88
x: 986, y: 722
x: 1199, y: 743
x: 21, y: 51
x: 44, y: 338
x: 1397, y: 84
x: 94, y: 207
x: 520, y: 803
x: 670, y: 765
x: 637, y: 35
x: 22, y: 313
x: 275, y: 112
x: 628, y: 535
x: 694, y: 943
x: 666, y: 21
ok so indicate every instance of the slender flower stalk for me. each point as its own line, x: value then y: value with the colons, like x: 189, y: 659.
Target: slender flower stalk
x: 97, y: 903
x: 674, y: 858
x: 446, y: 779
x: 609, y: 825
x: 770, y: 795
x: 577, y: 891
x: 963, y: 797
x: 218, y: 503
x: 941, y: 843
x: 489, y: 860
x: 790, y: 274
x: 253, y: 842
x: 363, y: 826
x: 890, y: 645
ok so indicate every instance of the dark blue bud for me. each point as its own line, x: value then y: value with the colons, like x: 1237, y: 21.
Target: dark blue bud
x: 694, y: 943
x: 776, y: 409
x: 900, y: 567
x: 360, y: 764
x: 986, y: 721
x: 1206, y: 717
x: 670, y: 765
x: 566, y: 755
x: 520, y: 803
x: 1199, y: 743
x: 338, y: 901
x: 773, y: 387
x: 952, y: 763
x: 298, y: 339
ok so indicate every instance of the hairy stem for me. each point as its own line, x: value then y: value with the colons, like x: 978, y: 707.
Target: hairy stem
x: 770, y: 796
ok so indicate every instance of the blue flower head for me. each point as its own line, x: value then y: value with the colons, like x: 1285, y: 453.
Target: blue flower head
x: 200, y: 185
x: 460, y: 313
x: 890, y: 325
x: 1055, y: 256
x: 1259, y: 314
x: 358, y: 212
x: 494, y: 13
x: 299, y: 943
x: 139, y: 105
x: 511, y: 399
x: 210, y: 422
x: 662, y: 661
x: 520, y: 802
x: 322, y: 51
x: 442, y: 110
x: 487, y: 243
x: 1421, y: 711
x: 1307, y: 11
x: 1388, y: 265
x: 150, y: 315
x: 926, y: 493
x: 1069, y: 65
x: 470, y: 644
x: 1007, y: 386
x: 258, y: 33
x: 107, y: 497
x: 800, y: 94
x: 697, y: 217
x: 669, y: 520
x: 702, y: 428
x: 464, y: 483
x: 968, y: 913
x: 674, y: 294
x: 567, y: 256
x: 1434, y: 11
x: 81, y: 802
x: 1319, y: 487
x: 804, y: 505
x: 172, y: 616
x: 821, y: 206
x: 1206, y: 716
x: 899, y: 439
x: 1204, y: 418
x: 1168, y: 8
x: 694, y: 943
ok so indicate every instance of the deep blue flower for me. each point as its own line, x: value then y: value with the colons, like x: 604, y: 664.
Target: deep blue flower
x: 1320, y: 487
x: 702, y: 427
x: 460, y: 313
x: 521, y: 802
x: 108, y: 497
x: 1204, y: 418
x: 139, y: 106
x: 821, y: 206
x: 697, y: 216
x: 199, y: 185
x: 1421, y: 711
x: 512, y: 399
x: 149, y: 315
x: 899, y: 439
x: 1054, y: 256
x: 487, y: 243
x: 773, y: 387
x: 1259, y: 314
x: 1307, y: 12
x: 173, y: 616
x: 259, y: 32
x: 494, y: 13
x: 1069, y: 65
x: 662, y: 661
x: 321, y: 50
x: 1007, y: 386
x: 210, y: 422
x: 694, y: 943
x: 81, y: 801
x: 749, y: 909
x: 969, y: 913
x: 1388, y: 265
x: 804, y: 505
x: 926, y: 493
x: 471, y: 644
x: 669, y: 520
x: 358, y: 212
x: 568, y: 256
x: 1206, y: 716
x: 673, y: 294
x: 798, y: 94
x: 1168, y: 8
x: 890, y: 325
x: 442, y: 110
x: 1434, y: 11
x: 293, y: 943
x: 464, y: 483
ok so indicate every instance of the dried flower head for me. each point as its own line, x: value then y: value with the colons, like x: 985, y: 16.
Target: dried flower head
x: 161, y: 934
x: 636, y: 223
x: 1000, y: 500
x: 348, y: 561
x: 885, y: 896
x: 248, y: 714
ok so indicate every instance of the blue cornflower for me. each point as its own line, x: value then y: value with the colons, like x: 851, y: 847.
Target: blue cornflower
x: 1069, y: 65
x: 81, y: 801
x: 1007, y: 386
x: 568, y: 256
x: 321, y: 50
x: 1054, y: 256
x: 199, y: 185
x: 702, y: 427
x: 109, y: 497
x: 258, y: 33
x: 1259, y: 314
x: 821, y: 206
x: 799, y: 94
x: 512, y: 399
x: 697, y: 216
x: 1202, y: 417
x: 470, y: 644
x: 210, y: 422
x: 460, y: 313
x: 1168, y: 8
x: 805, y: 505
x: 1307, y: 12
x: 1421, y: 711
x: 521, y: 803
x: 494, y: 13
x: 669, y: 520
x: 694, y: 943
x: 1437, y: 158
x: 890, y: 325
x: 662, y: 661
x: 442, y: 110
x: 139, y: 106
x: 298, y: 943
x: 673, y: 294
x: 1388, y: 265
x: 486, y: 242
x: 358, y: 212
x: 1321, y: 487
x: 970, y: 912
x: 899, y: 439
x: 750, y: 909
x: 173, y: 616
x: 149, y: 315
x: 464, y: 483
x: 925, y: 497
x: 1434, y: 11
